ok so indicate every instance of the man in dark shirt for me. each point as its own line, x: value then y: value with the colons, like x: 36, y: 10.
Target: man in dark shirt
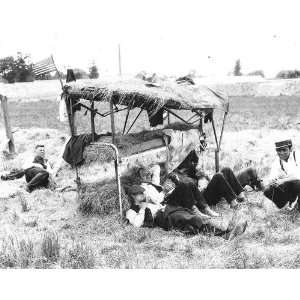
x: 38, y: 170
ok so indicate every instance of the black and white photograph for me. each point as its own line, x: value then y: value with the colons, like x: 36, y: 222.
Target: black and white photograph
x: 149, y: 135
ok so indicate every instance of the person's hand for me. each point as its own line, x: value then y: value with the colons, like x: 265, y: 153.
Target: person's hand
x: 274, y: 183
x: 143, y: 205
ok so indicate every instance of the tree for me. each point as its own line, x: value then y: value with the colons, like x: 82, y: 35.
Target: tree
x: 287, y: 74
x: 93, y: 71
x: 237, y: 68
x: 16, y: 69
x: 80, y: 74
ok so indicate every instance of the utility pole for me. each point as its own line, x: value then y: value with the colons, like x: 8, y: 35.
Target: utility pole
x: 120, y: 65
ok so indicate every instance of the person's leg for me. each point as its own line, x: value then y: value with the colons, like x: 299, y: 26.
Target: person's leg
x: 232, y: 180
x: 217, y: 188
x: 228, y: 234
x: 39, y: 180
x: 201, y: 203
x: 293, y: 189
x: 279, y: 195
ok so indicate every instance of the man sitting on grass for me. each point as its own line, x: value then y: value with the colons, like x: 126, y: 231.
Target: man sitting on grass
x: 223, y: 184
x: 38, y: 171
x: 283, y: 183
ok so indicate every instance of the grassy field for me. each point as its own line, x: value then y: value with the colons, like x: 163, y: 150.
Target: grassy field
x: 45, y: 229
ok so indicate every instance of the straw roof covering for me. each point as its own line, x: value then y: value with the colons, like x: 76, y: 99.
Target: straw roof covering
x: 139, y: 93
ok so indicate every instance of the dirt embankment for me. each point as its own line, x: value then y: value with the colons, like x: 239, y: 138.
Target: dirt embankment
x: 265, y: 88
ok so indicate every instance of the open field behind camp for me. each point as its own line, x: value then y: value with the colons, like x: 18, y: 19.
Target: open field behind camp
x: 45, y: 228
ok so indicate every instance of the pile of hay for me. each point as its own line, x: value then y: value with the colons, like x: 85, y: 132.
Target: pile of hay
x: 96, y: 198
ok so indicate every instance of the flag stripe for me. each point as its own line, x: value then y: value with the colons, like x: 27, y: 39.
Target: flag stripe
x: 44, y: 66
x: 45, y: 70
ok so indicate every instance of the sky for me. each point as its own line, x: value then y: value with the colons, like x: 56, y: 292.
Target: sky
x: 166, y: 37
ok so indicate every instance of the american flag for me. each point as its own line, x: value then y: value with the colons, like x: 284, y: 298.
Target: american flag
x: 44, y: 66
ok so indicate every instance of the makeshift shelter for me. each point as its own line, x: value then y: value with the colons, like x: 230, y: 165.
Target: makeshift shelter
x: 166, y: 96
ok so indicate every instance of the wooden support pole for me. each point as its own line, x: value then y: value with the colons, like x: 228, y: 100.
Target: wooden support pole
x: 93, y: 121
x: 68, y: 102
x: 215, y: 133
x: 126, y: 119
x: 112, y: 122
x: 9, y: 135
x: 222, y: 130
x: 217, y: 151
x: 217, y: 160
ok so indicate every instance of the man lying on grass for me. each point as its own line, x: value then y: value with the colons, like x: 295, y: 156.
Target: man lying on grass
x: 38, y: 171
x: 283, y: 183
x: 180, y: 212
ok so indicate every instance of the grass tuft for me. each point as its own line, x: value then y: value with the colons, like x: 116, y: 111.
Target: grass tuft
x: 50, y: 247
x: 80, y: 256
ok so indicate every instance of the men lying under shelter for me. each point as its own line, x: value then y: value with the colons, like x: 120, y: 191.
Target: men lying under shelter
x: 174, y: 216
x: 283, y: 184
x: 181, y: 211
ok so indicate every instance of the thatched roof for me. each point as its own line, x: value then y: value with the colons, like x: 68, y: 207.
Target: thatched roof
x: 140, y: 93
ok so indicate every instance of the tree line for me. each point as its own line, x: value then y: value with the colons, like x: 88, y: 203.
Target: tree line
x: 19, y: 69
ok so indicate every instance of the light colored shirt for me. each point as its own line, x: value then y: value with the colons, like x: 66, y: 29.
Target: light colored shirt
x: 29, y: 163
x: 282, y: 169
x: 153, y: 199
x: 137, y: 218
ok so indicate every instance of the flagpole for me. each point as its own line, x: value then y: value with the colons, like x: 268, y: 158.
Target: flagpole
x: 61, y: 83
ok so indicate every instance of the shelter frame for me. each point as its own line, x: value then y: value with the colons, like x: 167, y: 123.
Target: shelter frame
x: 197, y: 117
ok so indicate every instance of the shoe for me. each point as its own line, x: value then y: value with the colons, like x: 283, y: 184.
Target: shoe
x: 211, y: 213
x: 237, y: 230
x: 197, y: 212
x: 292, y: 205
x: 234, y: 204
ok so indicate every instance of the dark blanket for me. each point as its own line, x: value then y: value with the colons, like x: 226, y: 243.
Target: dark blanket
x: 73, y: 153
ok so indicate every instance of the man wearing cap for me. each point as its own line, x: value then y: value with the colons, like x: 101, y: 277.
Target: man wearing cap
x: 283, y: 182
x: 143, y: 209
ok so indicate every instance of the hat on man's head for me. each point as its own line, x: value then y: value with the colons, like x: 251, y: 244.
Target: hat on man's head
x: 135, y: 189
x: 283, y: 144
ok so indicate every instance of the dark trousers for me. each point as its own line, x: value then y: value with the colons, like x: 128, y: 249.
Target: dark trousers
x: 185, y: 220
x: 36, y: 177
x: 284, y: 193
x: 186, y: 195
x: 223, y: 184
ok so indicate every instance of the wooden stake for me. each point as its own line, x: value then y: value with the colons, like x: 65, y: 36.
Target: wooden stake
x: 9, y: 134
